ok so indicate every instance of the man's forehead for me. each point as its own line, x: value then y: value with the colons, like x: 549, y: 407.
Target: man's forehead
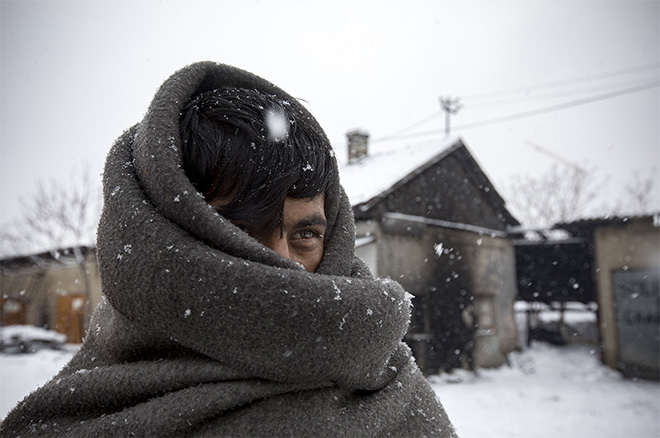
x: 304, y: 211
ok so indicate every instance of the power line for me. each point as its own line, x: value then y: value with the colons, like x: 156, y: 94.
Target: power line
x: 563, y: 82
x: 514, y: 100
x: 563, y: 106
x: 531, y: 113
x: 419, y: 123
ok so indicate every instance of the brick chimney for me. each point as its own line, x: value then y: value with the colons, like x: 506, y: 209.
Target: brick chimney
x: 358, y: 142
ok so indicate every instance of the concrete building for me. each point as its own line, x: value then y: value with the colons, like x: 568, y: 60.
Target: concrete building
x: 428, y: 217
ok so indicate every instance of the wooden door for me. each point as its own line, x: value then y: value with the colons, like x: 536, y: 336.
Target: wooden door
x: 70, y: 317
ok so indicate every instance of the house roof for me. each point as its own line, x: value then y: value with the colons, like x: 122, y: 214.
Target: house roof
x: 388, y: 166
x: 45, y: 260
x: 586, y: 227
x: 577, y: 231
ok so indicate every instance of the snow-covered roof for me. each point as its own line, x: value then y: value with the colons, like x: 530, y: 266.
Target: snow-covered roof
x: 571, y: 232
x: 56, y: 258
x: 385, y: 165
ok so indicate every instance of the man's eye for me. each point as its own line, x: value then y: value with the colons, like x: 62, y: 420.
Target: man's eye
x: 306, y: 234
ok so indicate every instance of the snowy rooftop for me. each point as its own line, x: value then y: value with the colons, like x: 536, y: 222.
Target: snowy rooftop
x: 385, y: 164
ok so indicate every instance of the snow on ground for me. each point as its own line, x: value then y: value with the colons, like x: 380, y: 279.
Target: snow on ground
x: 546, y: 392
x: 551, y: 391
x: 20, y: 374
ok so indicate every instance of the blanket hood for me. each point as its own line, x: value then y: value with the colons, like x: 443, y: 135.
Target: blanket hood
x: 170, y: 263
x: 203, y: 331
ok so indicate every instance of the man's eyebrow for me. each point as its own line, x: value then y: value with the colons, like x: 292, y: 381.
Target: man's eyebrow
x: 316, y: 219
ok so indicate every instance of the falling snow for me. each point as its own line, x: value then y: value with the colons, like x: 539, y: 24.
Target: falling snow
x: 277, y: 125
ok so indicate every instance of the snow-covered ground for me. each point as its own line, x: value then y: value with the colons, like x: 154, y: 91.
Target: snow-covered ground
x: 551, y: 391
x: 21, y: 374
x: 546, y: 392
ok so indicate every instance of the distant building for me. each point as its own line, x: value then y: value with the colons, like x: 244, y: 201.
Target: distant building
x: 613, y: 262
x: 428, y: 217
x: 50, y: 290
x: 628, y: 278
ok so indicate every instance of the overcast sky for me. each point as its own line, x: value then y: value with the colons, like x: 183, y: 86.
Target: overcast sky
x: 578, y: 78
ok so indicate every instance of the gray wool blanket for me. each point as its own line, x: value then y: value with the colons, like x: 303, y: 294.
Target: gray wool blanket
x: 203, y: 331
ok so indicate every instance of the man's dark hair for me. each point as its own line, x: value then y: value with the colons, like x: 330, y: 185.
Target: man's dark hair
x: 246, y: 151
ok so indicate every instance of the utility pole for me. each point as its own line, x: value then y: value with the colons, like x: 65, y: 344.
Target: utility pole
x: 449, y: 106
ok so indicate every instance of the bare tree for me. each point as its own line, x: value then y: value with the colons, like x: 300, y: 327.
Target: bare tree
x: 639, y: 193
x: 560, y: 195
x: 55, y: 217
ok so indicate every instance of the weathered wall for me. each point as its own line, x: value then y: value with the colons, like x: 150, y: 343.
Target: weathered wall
x: 628, y: 268
x: 491, y: 264
x: 463, y: 307
x: 406, y: 253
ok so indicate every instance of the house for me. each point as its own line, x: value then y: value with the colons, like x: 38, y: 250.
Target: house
x: 55, y: 290
x: 428, y: 217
